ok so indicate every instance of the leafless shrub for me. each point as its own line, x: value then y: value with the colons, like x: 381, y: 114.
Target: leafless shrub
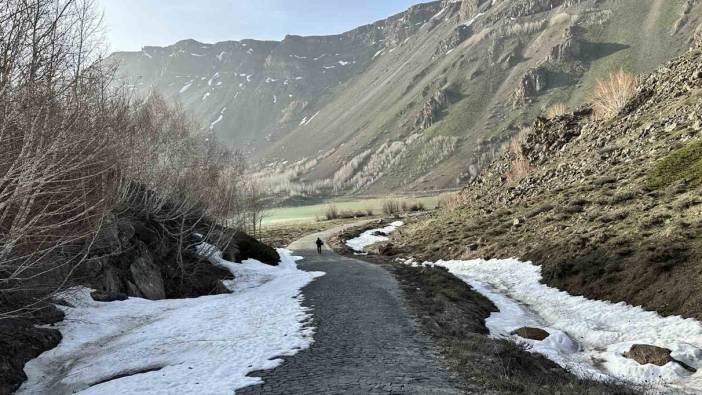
x: 520, y: 166
x: 449, y: 201
x: 73, y: 151
x: 391, y: 206
x: 331, y: 212
x: 613, y: 93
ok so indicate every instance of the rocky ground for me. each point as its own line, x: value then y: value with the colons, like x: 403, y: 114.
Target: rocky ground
x: 610, y: 209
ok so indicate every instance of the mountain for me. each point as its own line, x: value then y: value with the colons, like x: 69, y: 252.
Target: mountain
x: 421, y: 100
x: 609, y: 208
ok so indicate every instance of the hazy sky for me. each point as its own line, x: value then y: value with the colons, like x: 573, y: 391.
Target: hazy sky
x: 132, y: 24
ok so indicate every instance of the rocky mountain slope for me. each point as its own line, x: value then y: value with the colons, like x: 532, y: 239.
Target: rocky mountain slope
x: 421, y: 100
x: 610, y: 208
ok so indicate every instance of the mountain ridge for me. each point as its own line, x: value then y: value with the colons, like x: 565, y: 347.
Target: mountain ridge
x: 421, y: 100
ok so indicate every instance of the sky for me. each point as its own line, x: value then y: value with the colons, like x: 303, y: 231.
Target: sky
x: 132, y: 24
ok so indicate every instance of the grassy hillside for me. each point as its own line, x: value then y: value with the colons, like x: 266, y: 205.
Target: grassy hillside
x: 609, y: 208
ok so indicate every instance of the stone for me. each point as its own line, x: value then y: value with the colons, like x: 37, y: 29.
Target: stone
x: 102, y: 296
x: 380, y: 233
x: 147, y: 276
x: 646, y: 354
x: 532, y: 333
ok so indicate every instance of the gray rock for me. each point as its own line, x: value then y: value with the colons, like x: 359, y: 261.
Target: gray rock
x: 646, y: 354
x: 147, y: 276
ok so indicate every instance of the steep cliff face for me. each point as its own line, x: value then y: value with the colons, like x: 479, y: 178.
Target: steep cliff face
x: 430, y: 92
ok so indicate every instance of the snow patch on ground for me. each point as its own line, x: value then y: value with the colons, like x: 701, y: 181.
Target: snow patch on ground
x: 186, y: 87
x: 369, y: 237
x: 588, y: 337
x: 190, y: 346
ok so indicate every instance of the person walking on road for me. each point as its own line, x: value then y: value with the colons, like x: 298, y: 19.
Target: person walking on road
x: 319, y: 243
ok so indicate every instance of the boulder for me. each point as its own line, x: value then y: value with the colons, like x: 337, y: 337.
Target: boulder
x: 646, y: 354
x: 102, y: 296
x: 380, y: 233
x: 531, y: 333
x: 147, y: 276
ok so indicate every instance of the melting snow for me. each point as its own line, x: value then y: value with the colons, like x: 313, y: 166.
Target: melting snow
x: 189, y: 346
x: 588, y: 337
x: 186, y: 87
x: 214, y: 77
x: 369, y: 237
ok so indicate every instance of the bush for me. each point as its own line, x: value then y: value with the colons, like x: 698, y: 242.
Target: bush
x: 331, y: 212
x: 520, y: 165
x: 391, y: 206
x: 448, y: 201
x: 612, y: 94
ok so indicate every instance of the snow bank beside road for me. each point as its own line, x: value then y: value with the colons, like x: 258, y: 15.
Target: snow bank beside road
x: 189, y: 346
x: 588, y: 337
x: 372, y: 236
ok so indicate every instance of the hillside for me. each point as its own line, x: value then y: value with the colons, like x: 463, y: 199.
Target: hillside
x: 421, y: 100
x: 610, y: 208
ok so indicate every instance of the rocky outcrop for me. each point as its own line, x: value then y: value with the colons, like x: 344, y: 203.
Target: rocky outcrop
x: 470, y: 8
x: 431, y: 110
x: 22, y: 340
x: 533, y: 83
x: 146, y: 263
x: 697, y: 39
x: 146, y: 276
x: 570, y: 48
x: 459, y: 35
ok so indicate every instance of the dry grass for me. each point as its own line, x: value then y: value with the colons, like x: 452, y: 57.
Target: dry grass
x: 612, y: 94
x: 520, y: 166
x: 449, y: 201
x: 556, y: 110
x: 391, y: 206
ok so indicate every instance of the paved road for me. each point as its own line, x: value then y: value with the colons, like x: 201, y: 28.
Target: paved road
x: 366, y: 341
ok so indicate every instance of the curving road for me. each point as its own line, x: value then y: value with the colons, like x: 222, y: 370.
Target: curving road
x: 366, y: 341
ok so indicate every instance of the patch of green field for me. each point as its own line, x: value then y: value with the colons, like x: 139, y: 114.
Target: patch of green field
x: 314, y: 212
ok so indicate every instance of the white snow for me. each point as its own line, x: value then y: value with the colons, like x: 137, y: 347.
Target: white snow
x: 221, y: 55
x: 473, y: 19
x: 205, y: 96
x: 588, y: 337
x: 186, y: 87
x: 197, y: 55
x: 214, y: 77
x: 343, y: 63
x: 148, y: 55
x: 194, y: 346
x: 368, y: 237
x: 378, y: 53
x: 216, y: 121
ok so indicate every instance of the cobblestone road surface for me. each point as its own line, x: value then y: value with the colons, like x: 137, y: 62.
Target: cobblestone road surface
x: 366, y: 341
